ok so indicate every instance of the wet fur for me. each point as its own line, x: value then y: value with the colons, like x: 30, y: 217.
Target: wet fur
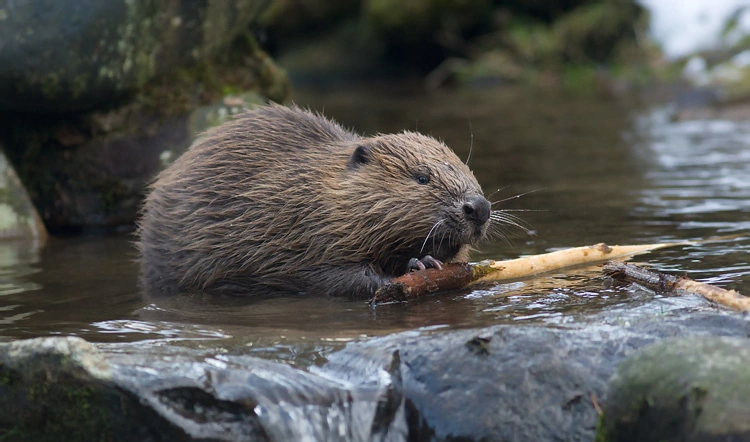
x: 281, y: 198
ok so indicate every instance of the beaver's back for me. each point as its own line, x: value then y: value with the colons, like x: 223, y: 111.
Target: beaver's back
x: 241, y: 205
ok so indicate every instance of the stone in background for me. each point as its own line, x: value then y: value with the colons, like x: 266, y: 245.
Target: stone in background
x: 97, y: 97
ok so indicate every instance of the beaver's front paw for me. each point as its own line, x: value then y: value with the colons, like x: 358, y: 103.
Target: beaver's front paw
x: 425, y: 263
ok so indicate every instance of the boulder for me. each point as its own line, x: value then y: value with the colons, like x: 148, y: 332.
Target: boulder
x: 688, y: 389
x: 63, y: 55
x: 514, y: 383
x: 18, y: 217
x: 90, y: 171
x: 55, y: 389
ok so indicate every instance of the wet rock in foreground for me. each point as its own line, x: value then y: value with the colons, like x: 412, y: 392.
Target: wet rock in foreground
x: 500, y: 383
x: 519, y: 383
x: 691, y: 389
x: 53, y: 388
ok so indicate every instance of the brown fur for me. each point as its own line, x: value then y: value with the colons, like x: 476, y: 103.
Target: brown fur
x: 281, y: 198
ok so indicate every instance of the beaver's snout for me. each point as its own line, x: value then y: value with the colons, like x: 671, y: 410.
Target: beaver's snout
x: 477, y: 210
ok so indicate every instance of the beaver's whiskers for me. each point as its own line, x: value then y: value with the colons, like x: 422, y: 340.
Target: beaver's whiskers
x: 435, y: 226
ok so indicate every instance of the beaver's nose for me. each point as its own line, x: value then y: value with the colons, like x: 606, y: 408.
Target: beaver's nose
x: 477, y: 210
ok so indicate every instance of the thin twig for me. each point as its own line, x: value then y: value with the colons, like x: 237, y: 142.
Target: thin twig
x: 664, y: 283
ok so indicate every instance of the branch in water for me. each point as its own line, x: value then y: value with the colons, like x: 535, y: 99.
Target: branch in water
x: 421, y: 283
x: 664, y: 283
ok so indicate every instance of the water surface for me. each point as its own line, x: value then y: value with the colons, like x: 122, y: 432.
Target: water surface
x: 588, y: 171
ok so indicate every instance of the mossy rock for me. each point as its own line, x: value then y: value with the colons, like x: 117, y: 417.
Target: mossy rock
x: 18, y: 217
x: 695, y: 389
x: 54, y: 388
x: 71, y: 55
x: 90, y: 169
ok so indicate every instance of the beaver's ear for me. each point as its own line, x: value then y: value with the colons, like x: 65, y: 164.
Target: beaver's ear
x: 360, y: 157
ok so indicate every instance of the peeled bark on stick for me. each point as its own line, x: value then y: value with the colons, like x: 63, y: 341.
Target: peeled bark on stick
x: 664, y: 283
x: 455, y: 276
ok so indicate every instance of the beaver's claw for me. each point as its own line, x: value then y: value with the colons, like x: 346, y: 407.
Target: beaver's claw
x: 424, y: 263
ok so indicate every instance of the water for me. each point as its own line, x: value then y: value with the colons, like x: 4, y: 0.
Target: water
x: 589, y: 170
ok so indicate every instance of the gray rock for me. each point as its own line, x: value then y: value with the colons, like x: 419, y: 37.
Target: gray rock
x: 71, y: 55
x: 136, y: 74
x: 523, y: 383
x: 91, y: 170
x: 509, y: 383
x: 18, y: 217
x: 688, y: 389
x: 65, y: 389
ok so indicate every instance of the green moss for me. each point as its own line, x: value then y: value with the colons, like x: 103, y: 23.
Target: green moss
x: 694, y: 388
x: 112, y: 192
x: 13, y: 433
x: 413, y: 19
x: 581, y: 79
x: 578, y: 51
x: 591, y: 33
x: 52, y: 170
x: 7, y: 376
x: 534, y: 42
x: 243, y: 67
x: 601, y: 430
x: 137, y: 46
x: 46, y: 408
x: 49, y: 84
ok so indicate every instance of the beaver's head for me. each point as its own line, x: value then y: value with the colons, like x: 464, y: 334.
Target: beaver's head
x: 415, y: 196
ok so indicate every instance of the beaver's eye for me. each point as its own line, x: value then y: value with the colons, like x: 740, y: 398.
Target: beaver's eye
x: 422, y: 178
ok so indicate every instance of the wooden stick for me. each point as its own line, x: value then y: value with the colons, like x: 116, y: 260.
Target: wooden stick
x: 417, y: 284
x: 420, y: 283
x: 664, y: 283
x: 546, y: 262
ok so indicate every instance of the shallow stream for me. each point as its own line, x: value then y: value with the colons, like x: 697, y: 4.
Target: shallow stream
x: 577, y: 171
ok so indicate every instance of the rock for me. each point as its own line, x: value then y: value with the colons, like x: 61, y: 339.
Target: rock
x: 73, y: 55
x: 138, y: 75
x: 512, y: 383
x: 90, y: 170
x: 695, y: 389
x: 58, y: 386
x: 18, y: 217
x: 520, y: 383
x: 64, y: 388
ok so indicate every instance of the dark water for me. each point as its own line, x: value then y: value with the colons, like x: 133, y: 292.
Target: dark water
x: 588, y: 171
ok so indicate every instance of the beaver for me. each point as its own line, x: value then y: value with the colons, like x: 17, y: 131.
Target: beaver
x: 281, y: 198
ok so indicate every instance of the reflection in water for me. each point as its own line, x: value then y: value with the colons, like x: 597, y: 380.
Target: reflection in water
x: 74, y: 282
x: 18, y: 259
x: 696, y: 170
x: 595, y: 174
x: 158, y: 328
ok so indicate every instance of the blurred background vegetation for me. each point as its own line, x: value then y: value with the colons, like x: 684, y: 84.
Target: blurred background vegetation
x: 476, y: 42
